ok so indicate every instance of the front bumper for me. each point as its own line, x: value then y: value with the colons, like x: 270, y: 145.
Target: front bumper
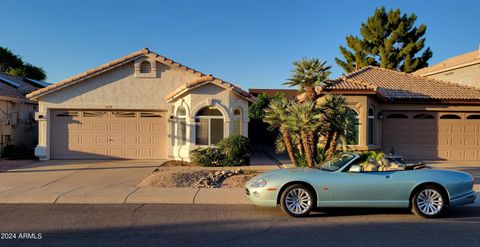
x: 464, y: 199
x: 261, y: 196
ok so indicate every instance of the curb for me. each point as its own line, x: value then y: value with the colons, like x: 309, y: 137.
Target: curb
x: 135, y: 195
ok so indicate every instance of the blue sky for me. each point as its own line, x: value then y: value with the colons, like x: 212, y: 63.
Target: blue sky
x: 250, y: 43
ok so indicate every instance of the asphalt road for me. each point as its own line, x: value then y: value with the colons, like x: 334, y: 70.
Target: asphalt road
x: 224, y: 225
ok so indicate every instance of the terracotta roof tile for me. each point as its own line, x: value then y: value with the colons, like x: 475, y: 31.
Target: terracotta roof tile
x: 394, y: 85
x: 451, y: 62
x: 98, y: 69
x: 144, y: 52
x: 208, y: 79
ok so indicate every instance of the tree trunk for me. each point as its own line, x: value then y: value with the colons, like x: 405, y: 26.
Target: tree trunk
x: 300, y: 147
x: 310, y: 94
x: 288, y: 145
x: 307, y: 149
x: 333, y: 145
x: 312, y: 143
x: 329, y: 138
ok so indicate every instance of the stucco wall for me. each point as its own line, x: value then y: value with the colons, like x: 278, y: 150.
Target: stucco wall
x: 120, y: 88
x: 204, y: 96
x: 469, y: 75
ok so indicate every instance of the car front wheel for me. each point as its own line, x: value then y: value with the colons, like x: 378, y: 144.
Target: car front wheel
x: 429, y: 202
x: 297, y: 200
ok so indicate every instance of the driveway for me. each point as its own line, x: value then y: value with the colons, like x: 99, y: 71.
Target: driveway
x: 49, y: 180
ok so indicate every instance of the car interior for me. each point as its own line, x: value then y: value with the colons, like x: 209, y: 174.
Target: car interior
x: 383, y: 165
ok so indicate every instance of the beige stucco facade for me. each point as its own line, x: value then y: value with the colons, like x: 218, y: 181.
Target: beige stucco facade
x: 468, y: 75
x: 418, y: 138
x: 125, y: 87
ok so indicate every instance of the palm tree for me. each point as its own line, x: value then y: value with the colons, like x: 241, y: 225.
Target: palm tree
x: 305, y: 119
x: 276, y: 116
x: 307, y: 74
x: 340, y: 121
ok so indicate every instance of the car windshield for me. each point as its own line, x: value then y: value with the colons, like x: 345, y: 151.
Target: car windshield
x: 336, y: 162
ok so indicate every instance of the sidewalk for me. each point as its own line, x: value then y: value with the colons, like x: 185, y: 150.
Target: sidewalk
x: 127, y: 195
x: 134, y: 195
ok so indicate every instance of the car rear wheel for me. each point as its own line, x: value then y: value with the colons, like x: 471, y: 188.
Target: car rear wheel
x: 297, y: 200
x: 429, y: 202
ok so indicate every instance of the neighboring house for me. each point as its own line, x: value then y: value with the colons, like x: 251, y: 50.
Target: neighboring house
x: 289, y: 93
x: 418, y: 117
x: 141, y: 106
x: 463, y: 69
x: 17, y: 124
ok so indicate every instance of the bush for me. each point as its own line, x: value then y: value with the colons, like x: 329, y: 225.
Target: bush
x: 235, y: 148
x: 210, y: 156
x: 20, y: 151
x: 231, y: 151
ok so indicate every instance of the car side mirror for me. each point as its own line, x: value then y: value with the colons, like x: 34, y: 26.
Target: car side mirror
x: 355, y: 168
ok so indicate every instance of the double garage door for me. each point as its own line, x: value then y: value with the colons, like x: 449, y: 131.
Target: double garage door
x: 432, y: 135
x: 101, y: 134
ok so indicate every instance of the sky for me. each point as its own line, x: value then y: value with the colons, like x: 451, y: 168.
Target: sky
x: 251, y: 43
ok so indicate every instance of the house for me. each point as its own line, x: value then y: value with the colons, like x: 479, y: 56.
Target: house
x: 418, y: 117
x: 463, y: 69
x: 17, y: 125
x: 289, y: 93
x: 140, y: 106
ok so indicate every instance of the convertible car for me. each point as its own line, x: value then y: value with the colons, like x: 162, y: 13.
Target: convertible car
x: 346, y: 181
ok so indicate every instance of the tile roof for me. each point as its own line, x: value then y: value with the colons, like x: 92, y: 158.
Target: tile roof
x: 451, y: 62
x: 16, y: 86
x: 204, y: 80
x: 125, y: 59
x: 398, y: 86
x: 290, y: 93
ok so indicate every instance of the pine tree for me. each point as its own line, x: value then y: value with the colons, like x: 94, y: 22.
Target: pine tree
x: 389, y: 40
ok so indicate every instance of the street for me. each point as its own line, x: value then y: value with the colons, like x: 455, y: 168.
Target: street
x: 230, y: 225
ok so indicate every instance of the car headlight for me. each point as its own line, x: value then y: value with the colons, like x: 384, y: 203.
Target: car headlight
x: 258, y: 183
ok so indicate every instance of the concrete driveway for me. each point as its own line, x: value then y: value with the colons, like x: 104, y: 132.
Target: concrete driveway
x: 44, y: 182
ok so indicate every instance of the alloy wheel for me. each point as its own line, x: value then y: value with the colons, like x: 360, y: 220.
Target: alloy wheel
x: 298, y: 201
x: 430, y: 202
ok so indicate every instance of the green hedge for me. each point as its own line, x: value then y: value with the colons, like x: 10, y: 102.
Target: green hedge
x: 231, y: 151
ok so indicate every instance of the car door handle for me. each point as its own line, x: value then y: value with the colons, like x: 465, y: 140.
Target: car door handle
x: 387, y: 176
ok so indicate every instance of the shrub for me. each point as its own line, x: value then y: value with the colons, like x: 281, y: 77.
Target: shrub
x: 20, y: 151
x: 301, y: 160
x: 210, y: 156
x: 235, y: 149
x: 231, y: 151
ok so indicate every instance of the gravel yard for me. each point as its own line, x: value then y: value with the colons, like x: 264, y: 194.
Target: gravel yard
x: 190, y: 176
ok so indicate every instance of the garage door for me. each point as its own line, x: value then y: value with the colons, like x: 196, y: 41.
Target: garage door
x: 108, y: 134
x: 432, y: 135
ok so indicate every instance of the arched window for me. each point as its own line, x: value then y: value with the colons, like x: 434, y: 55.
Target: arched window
x: 371, y: 126
x: 450, y: 116
x: 237, y: 122
x: 397, y: 115
x: 181, y: 126
x: 145, y: 67
x: 352, y: 131
x: 209, y: 126
x: 423, y: 116
x: 473, y: 117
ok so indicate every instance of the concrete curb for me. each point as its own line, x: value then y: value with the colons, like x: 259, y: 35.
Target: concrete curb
x: 135, y: 195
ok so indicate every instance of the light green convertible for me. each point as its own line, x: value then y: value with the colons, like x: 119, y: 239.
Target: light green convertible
x: 342, y: 182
